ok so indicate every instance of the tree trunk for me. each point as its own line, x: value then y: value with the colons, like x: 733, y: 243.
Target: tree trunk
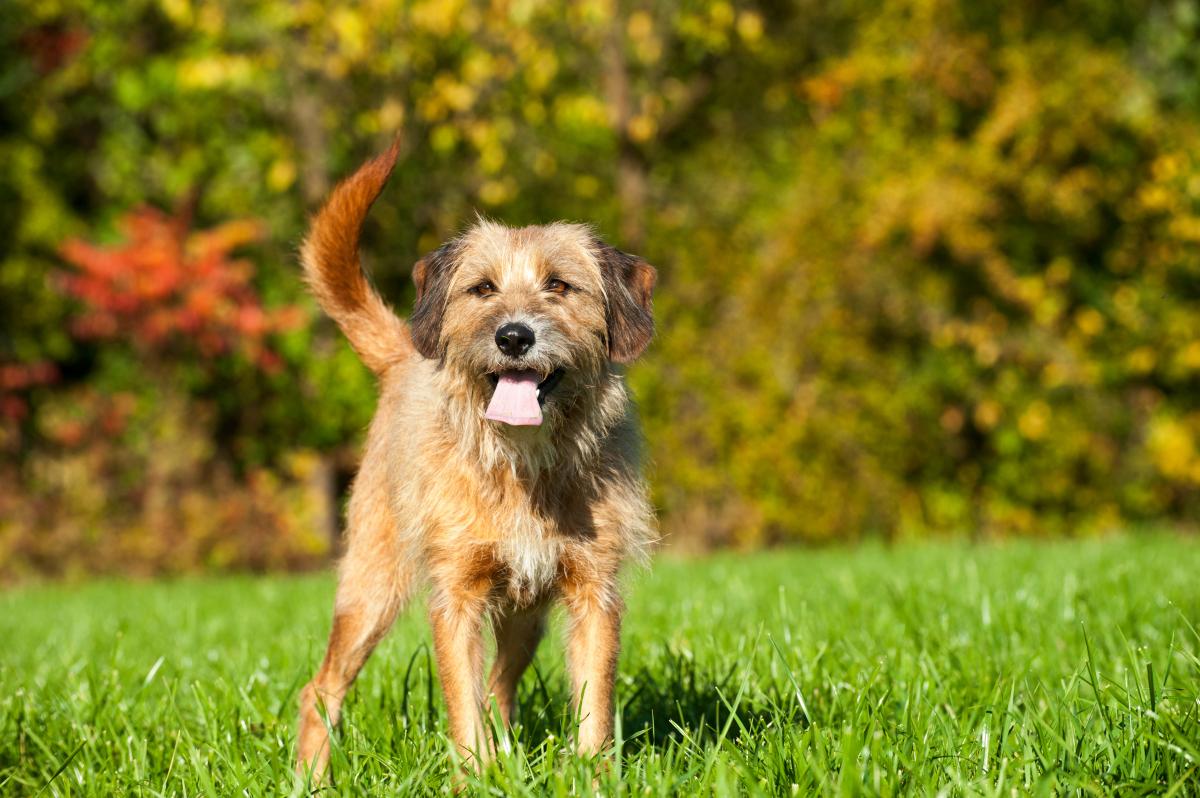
x: 306, y: 110
x: 631, y: 165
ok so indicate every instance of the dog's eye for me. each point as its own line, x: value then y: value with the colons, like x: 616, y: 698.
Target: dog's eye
x: 483, y: 289
x: 557, y: 286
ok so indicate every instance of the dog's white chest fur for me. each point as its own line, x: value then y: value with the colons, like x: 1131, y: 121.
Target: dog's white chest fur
x: 530, y: 554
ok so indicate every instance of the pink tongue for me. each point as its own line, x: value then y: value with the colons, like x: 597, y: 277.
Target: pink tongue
x: 516, y: 399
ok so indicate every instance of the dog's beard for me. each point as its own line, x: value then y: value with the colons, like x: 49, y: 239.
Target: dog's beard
x: 515, y: 403
x: 522, y: 391
x: 588, y: 401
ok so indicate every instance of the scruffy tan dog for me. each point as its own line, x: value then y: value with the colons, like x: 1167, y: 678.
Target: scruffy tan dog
x: 502, y: 466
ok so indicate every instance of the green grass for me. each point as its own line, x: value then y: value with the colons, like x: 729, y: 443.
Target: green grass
x: 1023, y: 668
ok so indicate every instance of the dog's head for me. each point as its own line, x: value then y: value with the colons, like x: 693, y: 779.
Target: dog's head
x: 531, y: 314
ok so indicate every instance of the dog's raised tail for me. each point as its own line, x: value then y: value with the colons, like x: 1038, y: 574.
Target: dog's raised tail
x: 335, y: 276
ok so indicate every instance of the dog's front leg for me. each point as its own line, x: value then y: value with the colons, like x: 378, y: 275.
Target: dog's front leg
x: 457, y: 618
x: 593, y: 647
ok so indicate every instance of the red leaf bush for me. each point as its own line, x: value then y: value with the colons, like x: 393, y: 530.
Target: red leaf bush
x: 164, y: 289
x: 136, y: 462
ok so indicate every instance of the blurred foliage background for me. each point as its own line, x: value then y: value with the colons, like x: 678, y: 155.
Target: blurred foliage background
x: 927, y: 267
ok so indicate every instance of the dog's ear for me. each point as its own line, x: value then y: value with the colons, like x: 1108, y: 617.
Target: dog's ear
x: 431, y: 275
x: 629, y: 286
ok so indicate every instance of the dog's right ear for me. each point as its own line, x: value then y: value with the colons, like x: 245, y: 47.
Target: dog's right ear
x: 431, y: 275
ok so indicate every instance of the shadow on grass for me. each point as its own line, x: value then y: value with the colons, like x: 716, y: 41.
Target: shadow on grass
x: 666, y: 702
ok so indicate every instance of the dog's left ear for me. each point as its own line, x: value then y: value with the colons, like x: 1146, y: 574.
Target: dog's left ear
x: 629, y: 286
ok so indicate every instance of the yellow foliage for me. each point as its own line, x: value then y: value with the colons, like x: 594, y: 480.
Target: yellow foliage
x: 1189, y: 357
x: 1089, y: 321
x: 642, y: 128
x: 216, y: 71
x: 750, y: 27
x: 351, y: 30
x: 988, y: 414
x: 1173, y: 448
x: 496, y: 192
x: 640, y: 25
x: 178, y: 11
x: 282, y: 174
x: 438, y: 17
x: 1141, y: 360
x: 1034, y: 423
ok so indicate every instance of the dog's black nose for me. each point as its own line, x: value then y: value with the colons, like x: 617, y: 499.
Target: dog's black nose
x: 514, y: 339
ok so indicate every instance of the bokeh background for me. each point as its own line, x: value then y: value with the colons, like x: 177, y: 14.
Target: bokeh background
x: 927, y: 267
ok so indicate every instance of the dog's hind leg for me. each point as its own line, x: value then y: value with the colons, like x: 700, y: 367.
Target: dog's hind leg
x: 517, y: 638
x: 361, y: 619
x: 372, y: 588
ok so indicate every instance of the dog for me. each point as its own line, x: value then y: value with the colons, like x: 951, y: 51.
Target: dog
x: 501, y: 469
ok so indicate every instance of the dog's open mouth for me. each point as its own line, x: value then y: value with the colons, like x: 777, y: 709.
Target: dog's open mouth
x: 518, y: 396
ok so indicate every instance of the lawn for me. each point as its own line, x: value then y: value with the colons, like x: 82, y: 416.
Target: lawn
x: 1019, y: 668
